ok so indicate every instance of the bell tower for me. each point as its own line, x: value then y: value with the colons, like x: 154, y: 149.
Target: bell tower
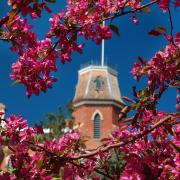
x: 97, y: 103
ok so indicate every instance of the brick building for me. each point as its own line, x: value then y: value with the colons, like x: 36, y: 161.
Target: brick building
x: 97, y: 103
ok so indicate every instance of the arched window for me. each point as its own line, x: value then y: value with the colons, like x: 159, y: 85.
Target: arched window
x: 97, y: 126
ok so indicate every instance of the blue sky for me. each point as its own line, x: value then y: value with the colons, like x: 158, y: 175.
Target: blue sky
x: 120, y: 52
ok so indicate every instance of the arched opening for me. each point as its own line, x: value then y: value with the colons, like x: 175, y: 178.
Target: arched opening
x: 97, y: 126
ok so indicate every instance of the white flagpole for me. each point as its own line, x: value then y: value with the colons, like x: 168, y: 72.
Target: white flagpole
x: 102, y: 51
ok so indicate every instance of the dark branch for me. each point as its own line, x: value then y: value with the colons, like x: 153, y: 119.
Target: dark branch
x: 124, y: 142
x: 97, y: 170
x: 171, y: 23
x: 131, y: 11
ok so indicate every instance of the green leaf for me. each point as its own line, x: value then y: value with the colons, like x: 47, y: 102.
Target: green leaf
x: 41, y: 54
x: 146, y: 9
x: 177, y: 148
x: 1, y: 128
x: 141, y: 93
x: 91, y: 10
x: 151, y: 88
x: 161, y: 29
x: 73, y: 37
x: 133, y: 106
x: 115, y: 29
x: 51, y: 116
x: 15, y: 82
x: 40, y: 163
x: 12, y: 14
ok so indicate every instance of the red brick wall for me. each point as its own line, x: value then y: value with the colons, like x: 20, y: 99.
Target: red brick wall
x: 83, y: 114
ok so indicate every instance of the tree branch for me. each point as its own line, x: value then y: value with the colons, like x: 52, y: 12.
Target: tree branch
x: 102, y: 173
x: 171, y: 27
x: 131, y: 11
x: 120, y: 144
x: 95, y: 169
x: 111, y: 17
x: 4, y: 39
x: 171, y: 23
x: 4, y: 20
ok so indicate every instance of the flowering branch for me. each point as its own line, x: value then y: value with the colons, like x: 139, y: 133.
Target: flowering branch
x: 120, y: 144
x: 171, y: 27
x: 132, y: 11
x: 171, y: 23
x: 95, y: 169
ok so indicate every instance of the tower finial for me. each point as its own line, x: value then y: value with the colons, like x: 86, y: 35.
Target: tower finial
x: 102, y: 50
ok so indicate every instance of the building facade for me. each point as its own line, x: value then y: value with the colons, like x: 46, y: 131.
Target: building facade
x: 97, y: 103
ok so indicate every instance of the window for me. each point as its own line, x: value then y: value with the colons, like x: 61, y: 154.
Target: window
x: 97, y: 126
x: 99, y: 83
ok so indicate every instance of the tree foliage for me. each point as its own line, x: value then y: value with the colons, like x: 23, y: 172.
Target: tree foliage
x: 54, y: 124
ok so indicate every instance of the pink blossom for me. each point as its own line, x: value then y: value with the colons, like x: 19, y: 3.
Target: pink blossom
x: 135, y: 20
x: 164, y: 4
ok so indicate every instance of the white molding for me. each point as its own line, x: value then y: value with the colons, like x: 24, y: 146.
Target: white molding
x: 99, y: 68
x: 121, y: 100
x: 77, y: 85
x: 86, y: 102
x: 94, y: 114
x: 109, y: 86
x: 88, y: 83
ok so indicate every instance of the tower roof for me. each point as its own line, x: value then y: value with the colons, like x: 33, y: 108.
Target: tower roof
x: 97, y: 85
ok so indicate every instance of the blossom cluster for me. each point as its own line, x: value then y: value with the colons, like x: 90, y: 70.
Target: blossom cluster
x: 18, y: 136
x: 32, y: 159
x: 80, y: 18
x: 34, y: 8
x: 20, y: 34
x: 153, y: 155
x: 34, y: 67
x: 163, y: 68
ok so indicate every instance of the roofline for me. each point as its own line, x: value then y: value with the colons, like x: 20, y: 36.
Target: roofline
x: 96, y: 67
x: 98, y: 102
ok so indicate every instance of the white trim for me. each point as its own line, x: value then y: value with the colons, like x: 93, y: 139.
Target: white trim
x: 119, y: 91
x: 94, y: 114
x: 77, y: 85
x: 109, y: 86
x: 97, y: 103
x: 99, y: 68
x: 88, y: 83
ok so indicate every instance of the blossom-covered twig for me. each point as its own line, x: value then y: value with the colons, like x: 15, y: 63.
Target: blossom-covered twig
x: 126, y: 141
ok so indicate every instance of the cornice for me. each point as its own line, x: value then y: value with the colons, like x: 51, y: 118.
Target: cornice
x: 98, y: 102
